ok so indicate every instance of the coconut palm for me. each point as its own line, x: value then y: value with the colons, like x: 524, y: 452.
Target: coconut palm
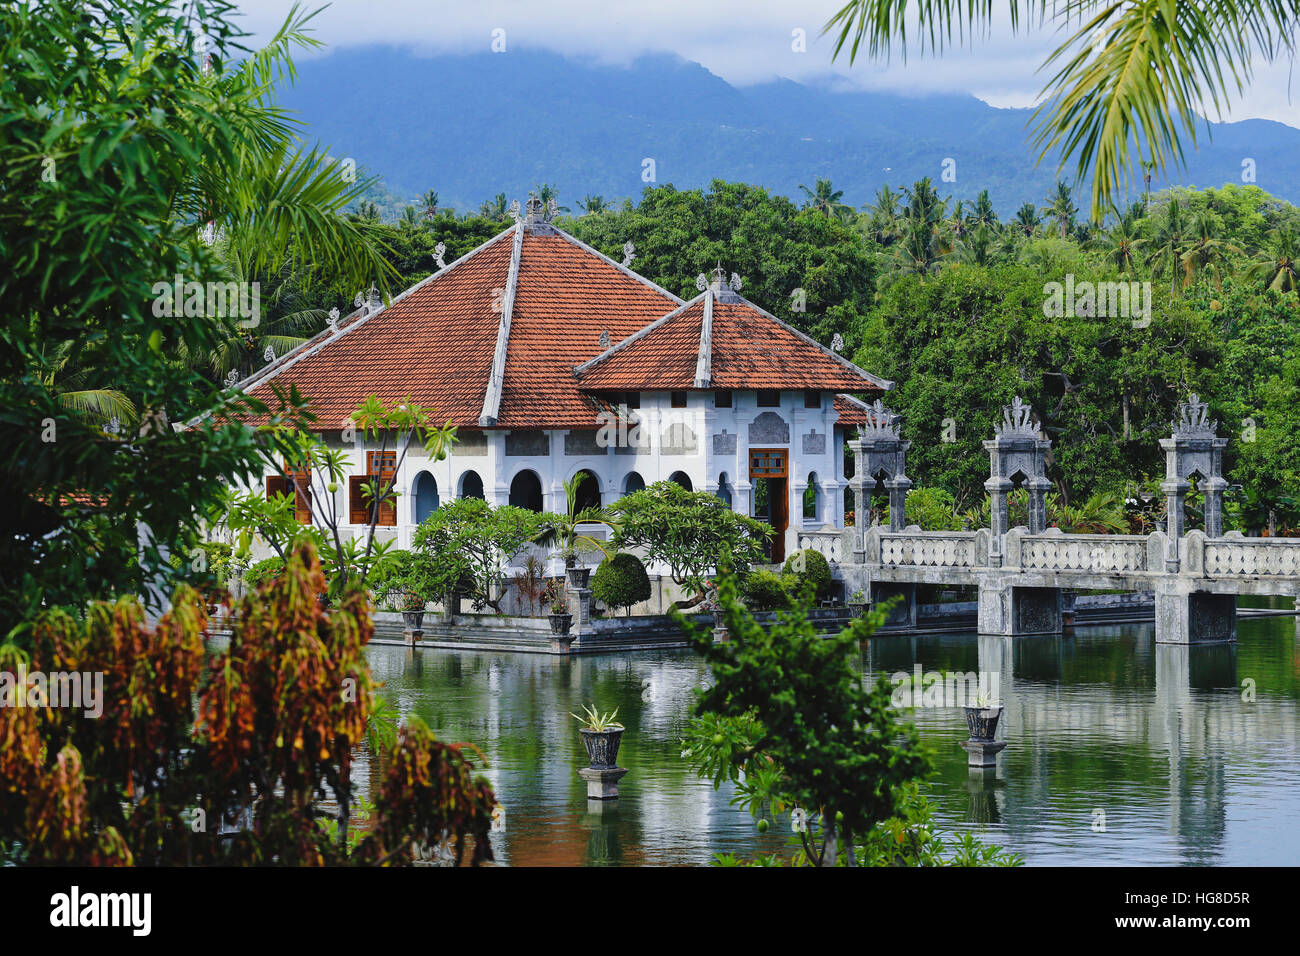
x: 1121, y: 244
x: 1279, y: 265
x: 495, y: 208
x: 1167, y: 244
x: 1061, y: 207
x: 1027, y: 219
x: 956, y: 222
x: 826, y: 199
x: 1207, y: 254
x: 593, y: 205
x: 409, y: 219
x: 977, y: 248
x: 1128, y: 83
x: 71, y: 378
x: 546, y: 192
x: 430, y: 203
x: 982, y: 212
x: 883, y: 224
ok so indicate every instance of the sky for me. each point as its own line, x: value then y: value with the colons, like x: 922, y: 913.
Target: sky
x: 742, y: 41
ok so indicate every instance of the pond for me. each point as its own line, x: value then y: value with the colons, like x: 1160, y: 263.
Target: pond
x: 1120, y: 751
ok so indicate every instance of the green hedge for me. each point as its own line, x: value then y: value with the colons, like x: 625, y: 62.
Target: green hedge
x: 815, y: 569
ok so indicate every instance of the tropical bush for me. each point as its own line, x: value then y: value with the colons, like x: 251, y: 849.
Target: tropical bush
x: 230, y: 760
x: 468, y: 544
x: 621, y: 581
x: 767, y: 591
x: 810, y: 568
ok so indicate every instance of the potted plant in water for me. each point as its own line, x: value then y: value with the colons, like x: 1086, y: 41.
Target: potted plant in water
x: 558, y: 599
x: 562, y: 531
x: 982, y: 719
x: 412, y: 607
x: 858, y: 604
x: 601, y: 734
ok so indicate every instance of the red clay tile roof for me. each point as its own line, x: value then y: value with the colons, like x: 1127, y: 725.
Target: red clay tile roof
x: 851, y: 411
x: 436, y: 342
x: 566, y: 297
x: 749, y: 348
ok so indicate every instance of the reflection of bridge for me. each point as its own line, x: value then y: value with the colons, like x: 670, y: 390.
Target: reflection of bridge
x: 1020, y: 572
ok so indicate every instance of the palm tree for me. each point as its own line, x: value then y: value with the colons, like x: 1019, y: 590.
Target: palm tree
x: 563, y: 531
x: 1167, y: 244
x: 1121, y: 244
x: 826, y: 199
x: 1207, y: 253
x: 977, y: 249
x: 430, y: 202
x: 923, y: 203
x: 883, y: 225
x: 70, y: 377
x: 495, y: 208
x: 409, y: 219
x: 983, y: 213
x: 546, y: 192
x: 368, y: 212
x: 1027, y: 219
x: 957, y: 224
x: 1062, y: 208
x: 1109, y: 93
x: 593, y: 205
x: 1279, y: 265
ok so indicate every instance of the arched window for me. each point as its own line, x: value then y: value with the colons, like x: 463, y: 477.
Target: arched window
x: 471, y: 485
x: 424, y: 494
x: 724, y: 489
x: 526, y: 491
x: 588, y: 491
x: 633, y: 482
x: 810, y: 495
x: 682, y: 479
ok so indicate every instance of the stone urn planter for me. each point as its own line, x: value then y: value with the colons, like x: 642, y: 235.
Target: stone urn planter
x: 602, y: 746
x: 578, y: 577
x: 560, y: 623
x: 858, y: 608
x: 983, y: 721
x: 414, y: 620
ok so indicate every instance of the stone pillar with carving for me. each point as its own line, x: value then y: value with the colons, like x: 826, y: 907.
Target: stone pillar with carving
x: 1017, y: 448
x: 879, y: 451
x: 1194, y: 449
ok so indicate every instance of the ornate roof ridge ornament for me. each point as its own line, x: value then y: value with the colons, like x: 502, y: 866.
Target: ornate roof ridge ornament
x: 514, y: 210
x: 1194, y: 419
x: 724, y: 289
x: 881, y: 422
x: 1017, y: 421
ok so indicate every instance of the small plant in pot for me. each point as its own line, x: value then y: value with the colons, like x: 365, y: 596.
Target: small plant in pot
x: 412, y: 608
x: 562, y: 531
x: 558, y: 599
x: 858, y: 604
x: 601, y: 734
x: 982, y: 719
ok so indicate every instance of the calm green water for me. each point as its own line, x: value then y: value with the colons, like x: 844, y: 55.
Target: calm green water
x: 1157, y: 738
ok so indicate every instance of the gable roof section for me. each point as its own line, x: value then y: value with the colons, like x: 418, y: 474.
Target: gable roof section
x: 742, y: 347
x: 566, y: 295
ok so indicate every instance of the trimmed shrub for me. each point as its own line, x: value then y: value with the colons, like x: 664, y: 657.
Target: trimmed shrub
x: 262, y: 571
x: 767, y: 591
x: 621, y: 581
x: 810, y: 566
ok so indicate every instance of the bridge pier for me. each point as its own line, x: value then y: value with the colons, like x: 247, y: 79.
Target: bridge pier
x: 1016, y: 611
x: 1188, y: 616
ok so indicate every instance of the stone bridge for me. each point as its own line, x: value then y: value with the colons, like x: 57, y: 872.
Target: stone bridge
x: 1020, y: 572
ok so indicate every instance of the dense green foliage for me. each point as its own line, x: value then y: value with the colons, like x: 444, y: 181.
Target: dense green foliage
x: 469, y: 542
x: 621, y: 581
x: 690, y: 531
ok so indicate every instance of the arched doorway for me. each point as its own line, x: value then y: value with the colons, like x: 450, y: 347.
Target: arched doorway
x: 683, y: 479
x: 526, y: 491
x: 633, y: 483
x: 424, y: 494
x: 588, y: 491
x: 724, y: 489
x: 471, y: 486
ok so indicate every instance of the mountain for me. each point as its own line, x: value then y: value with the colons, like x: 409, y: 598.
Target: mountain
x: 471, y: 126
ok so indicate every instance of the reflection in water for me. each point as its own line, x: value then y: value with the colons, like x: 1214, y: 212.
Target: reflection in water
x: 1119, y: 750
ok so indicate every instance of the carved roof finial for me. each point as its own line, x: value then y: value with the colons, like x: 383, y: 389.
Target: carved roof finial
x: 1017, y: 421
x: 881, y: 422
x: 1194, y: 419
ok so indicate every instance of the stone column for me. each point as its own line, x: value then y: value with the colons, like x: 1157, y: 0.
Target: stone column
x: 1038, y: 488
x: 997, y: 488
x: 898, y: 487
x: 859, y: 485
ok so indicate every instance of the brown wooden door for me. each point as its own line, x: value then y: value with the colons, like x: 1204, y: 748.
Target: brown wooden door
x: 772, y: 465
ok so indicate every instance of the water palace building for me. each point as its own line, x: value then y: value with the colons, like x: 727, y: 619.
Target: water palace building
x: 554, y: 360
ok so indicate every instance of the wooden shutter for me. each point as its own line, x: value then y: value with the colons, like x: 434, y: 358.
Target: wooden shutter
x: 358, y: 503
x: 300, y: 482
x: 382, y: 469
x: 276, y: 485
